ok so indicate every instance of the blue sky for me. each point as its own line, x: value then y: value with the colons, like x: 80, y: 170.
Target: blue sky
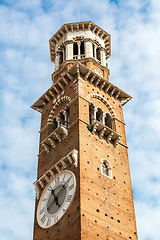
x: 25, y: 74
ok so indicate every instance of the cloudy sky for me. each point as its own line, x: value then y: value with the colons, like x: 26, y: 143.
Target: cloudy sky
x: 25, y: 74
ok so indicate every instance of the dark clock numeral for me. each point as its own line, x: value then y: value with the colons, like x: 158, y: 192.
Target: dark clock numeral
x: 43, y: 219
x: 57, y: 180
x: 50, y: 188
x: 64, y: 210
x: 48, y: 222
x: 64, y: 176
x: 71, y: 187
x: 68, y: 198
x: 45, y: 199
x: 55, y: 218
x: 42, y: 210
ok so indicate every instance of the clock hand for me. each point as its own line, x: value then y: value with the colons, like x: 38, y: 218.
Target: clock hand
x: 54, y: 200
x: 61, y: 190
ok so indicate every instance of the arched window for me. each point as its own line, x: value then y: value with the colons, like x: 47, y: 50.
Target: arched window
x: 106, y: 168
x: 108, y: 121
x: 93, y: 47
x: 99, y: 115
x: 98, y: 53
x: 82, y: 48
x: 64, y: 53
x: 60, y: 58
x: 75, y: 49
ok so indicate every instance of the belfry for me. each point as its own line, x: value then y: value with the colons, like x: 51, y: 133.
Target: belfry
x: 83, y: 186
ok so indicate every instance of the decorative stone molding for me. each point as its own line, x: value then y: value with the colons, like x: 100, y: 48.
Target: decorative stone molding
x: 106, y: 132
x: 72, y: 73
x: 109, y: 137
x: 78, y: 38
x: 57, y: 103
x: 58, y: 134
x: 70, y: 158
x: 101, y: 133
x: 108, y: 165
x: 103, y: 100
x: 59, y: 38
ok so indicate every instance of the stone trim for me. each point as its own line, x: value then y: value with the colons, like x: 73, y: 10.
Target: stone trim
x: 57, y: 90
x: 59, y: 101
x: 109, y: 167
x: 106, y: 132
x: 58, y: 134
x: 103, y: 100
x: 80, y: 26
x: 70, y: 158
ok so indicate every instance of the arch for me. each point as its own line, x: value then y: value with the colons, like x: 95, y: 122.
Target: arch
x: 103, y: 100
x: 75, y: 48
x: 106, y: 167
x: 58, y: 102
x: 97, y: 114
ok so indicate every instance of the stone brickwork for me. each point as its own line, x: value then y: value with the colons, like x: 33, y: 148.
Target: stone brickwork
x: 83, y: 97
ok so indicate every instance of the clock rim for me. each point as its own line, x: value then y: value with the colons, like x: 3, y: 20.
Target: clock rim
x: 44, y: 191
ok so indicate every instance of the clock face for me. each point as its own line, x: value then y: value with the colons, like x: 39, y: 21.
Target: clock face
x: 56, y: 198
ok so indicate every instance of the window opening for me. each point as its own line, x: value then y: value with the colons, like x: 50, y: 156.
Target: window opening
x: 106, y: 168
x: 99, y: 115
x: 75, y: 49
x: 98, y: 51
x: 108, y: 121
x: 82, y: 48
x: 64, y: 53
x: 62, y: 120
x: 60, y: 58
x: 93, y: 47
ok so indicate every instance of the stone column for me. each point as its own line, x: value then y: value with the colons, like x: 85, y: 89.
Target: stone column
x: 102, y: 118
x: 58, y: 120
x: 103, y: 58
x: 65, y: 118
x: 79, y: 50
x: 57, y: 61
x: 69, y: 51
x: 88, y: 49
x: 93, y: 115
x: 95, y: 52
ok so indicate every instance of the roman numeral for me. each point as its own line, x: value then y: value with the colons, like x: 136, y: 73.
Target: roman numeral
x: 55, y: 218
x: 42, y: 210
x: 68, y: 198
x: 43, y: 219
x: 45, y: 199
x: 50, y: 188
x: 64, y: 176
x: 57, y: 180
x: 64, y: 210
x: 72, y: 186
x: 48, y: 222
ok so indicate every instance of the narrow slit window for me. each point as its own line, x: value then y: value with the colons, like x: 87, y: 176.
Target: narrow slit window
x: 93, y: 50
x: 98, y: 51
x: 82, y: 48
x: 60, y: 58
x: 75, y: 49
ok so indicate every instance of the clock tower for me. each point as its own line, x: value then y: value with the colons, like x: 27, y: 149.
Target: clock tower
x: 83, y: 186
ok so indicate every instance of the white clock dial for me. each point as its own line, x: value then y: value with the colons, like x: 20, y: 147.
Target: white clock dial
x: 56, y: 198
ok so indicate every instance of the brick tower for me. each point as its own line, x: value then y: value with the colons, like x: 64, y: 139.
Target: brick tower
x: 83, y: 186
